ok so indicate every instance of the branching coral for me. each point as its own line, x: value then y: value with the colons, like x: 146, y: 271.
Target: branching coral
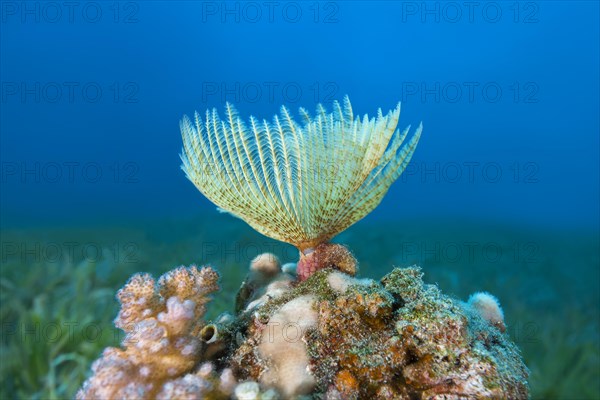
x: 162, y: 322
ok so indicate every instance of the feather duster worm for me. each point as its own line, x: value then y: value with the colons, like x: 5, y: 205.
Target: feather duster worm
x: 297, y: 182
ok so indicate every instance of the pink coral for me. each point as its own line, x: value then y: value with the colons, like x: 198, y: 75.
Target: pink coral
x: 161, y: 346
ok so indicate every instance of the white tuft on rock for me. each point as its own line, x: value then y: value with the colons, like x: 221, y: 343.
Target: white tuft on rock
x: 340, y: 282
x: 488, y: 307
x: 247, y: 391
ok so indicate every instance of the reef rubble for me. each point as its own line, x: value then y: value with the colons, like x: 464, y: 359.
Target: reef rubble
x: 330, y: 336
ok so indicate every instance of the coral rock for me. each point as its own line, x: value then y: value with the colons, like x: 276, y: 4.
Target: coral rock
x: 398, y: 339
x: 346, y: 384
x: 331, y: 336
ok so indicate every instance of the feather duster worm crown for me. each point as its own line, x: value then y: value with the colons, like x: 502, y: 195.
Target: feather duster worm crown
x: 297, y: 182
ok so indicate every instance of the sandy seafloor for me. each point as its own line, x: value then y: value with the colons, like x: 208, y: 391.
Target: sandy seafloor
x: 58, y: 287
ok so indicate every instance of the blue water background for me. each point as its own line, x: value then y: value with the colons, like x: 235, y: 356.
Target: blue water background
x: 155, y: 61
